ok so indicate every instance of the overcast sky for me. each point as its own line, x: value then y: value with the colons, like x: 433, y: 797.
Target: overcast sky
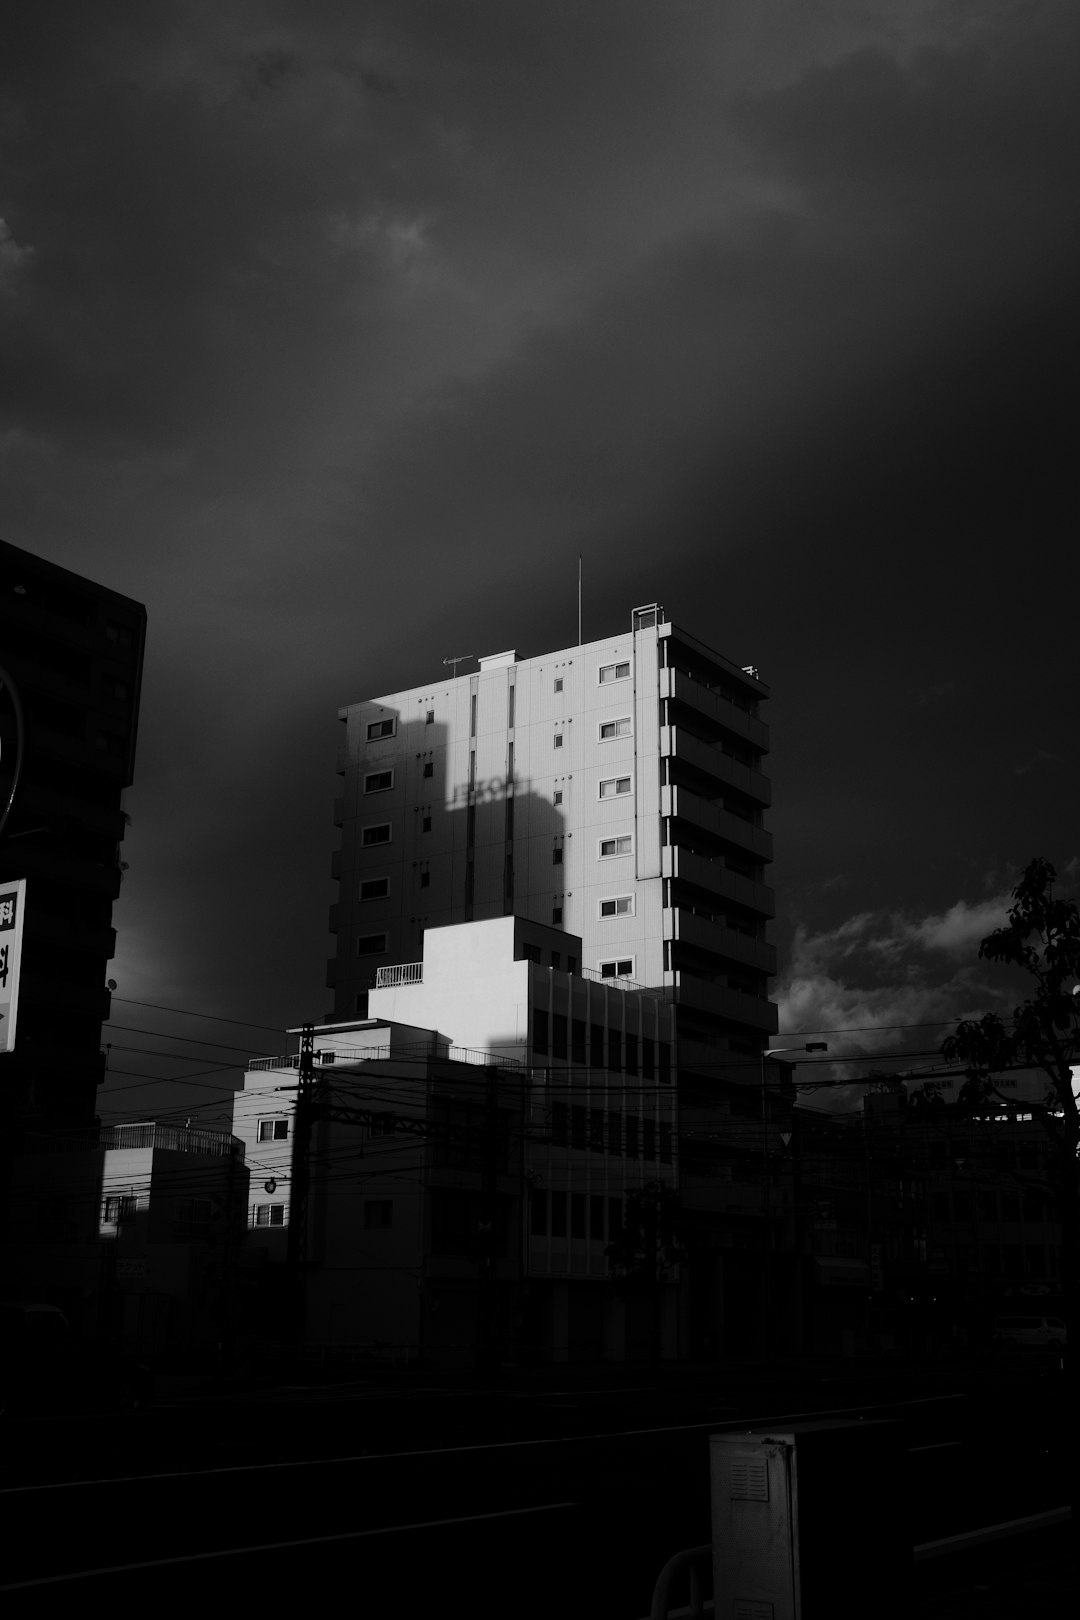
x: 333, y: 332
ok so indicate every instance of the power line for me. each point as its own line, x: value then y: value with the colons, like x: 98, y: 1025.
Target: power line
x: 187, y: 1012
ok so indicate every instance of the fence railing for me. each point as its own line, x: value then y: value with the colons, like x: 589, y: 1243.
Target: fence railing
x: 148, y: 1134
x: 389, y: 978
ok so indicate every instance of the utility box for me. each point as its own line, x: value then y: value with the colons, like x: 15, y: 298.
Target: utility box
x: 810, y: 1522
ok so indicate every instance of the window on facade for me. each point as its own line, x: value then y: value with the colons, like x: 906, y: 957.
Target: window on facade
x: 378, y: 781
x: 429, y: 767
x: 560, y: 1124
x: 631, y: 1136
x: 648, y: 1057
x: 273, y: 1130
x: 269, y: 1215
x: 558, y: 1214
x: 577, y: 1040
x: 540, y: 1031
x: 614, y: 672
x: 665, y: 1063
x: 374, y: 888
x: 556, y: 857
x: 378, y: 834
x: 425, y: 824
x: 557, y: 796
x: 120, y: 1208
x: 614, y: 1219
x: 631, y: 1054
x: 620, y: 968
x: 578, y: 1138
x: 381, y: 728
x: 614, y: 1131
x: 577, y: 1215
x: 558, y: 739
x: 425, y: 880
x: 616, y: 846
x: 556, y: 959
x: 596, y: 1130
x: 556, y: 914
x: 429, y: 718
x: 621, y: 905
x: 648, y: 1140
x: 538, y: 1212
x: 665, y: 1142
x: 596, y: 1045
x: 558, y: 1034
x: 614, y: 1049
x: 370, y: 944
x: 558, y: 684
x: 378, y: 1214
x: 613, y: 787
x: 614, y: 728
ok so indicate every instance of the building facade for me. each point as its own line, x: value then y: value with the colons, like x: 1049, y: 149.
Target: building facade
x: 74, y: 650
x: 612, y: 790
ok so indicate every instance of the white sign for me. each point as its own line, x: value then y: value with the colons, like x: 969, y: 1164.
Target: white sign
x: 12, y: 908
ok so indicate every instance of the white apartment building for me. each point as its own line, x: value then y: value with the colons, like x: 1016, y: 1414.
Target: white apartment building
x: 583, y: 1071
x: 612, y: 790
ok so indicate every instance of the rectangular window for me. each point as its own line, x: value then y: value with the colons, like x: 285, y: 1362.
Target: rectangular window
x: 378, y: 781
x: 119, y: 1208
x: 510, y: 708
x: 596, y: 1218
x: 538, y: 1212
x: 614, y: 672
x: 472, y: 715
x: 648, y: 1057
x: 558, y: 1034
x: 614, y: 1049
x: 556, y: 960
x: 621, y: 905
x: 558, y: 739
x: 614, y: 1219
x: 596, y: 1130
x: 614, y: 1131
x: 577, y: 1215
x: 665, y: 1142
x: 381, y: 728
x: 378, y: 834
x: 374, y: 888
x: 429, y: 718
x: 665, y: 1064
x: 370, y: 944
x: 556, y: 914
x: 631, y: 1136
x: 631, y: 1053
x: 557, y: 796
x: 578, y: 1138
x: 596, y: 1045
x: 556, y: 857
x: 577, y: 1040
x: 614, y: 728
x: 613, y: 787
x: 425, y: 824
x: 273, y: 1130
x: 378, y: 1214
x: 648, y: 1140
x: 540, y: 1031
x: 560, y: 1124
x: 621, y: 967
x: 425, y: 880
x: 429, y: 767
x: 269, y: 1215
x: 616, y: 846
x: 558, y: 685
x: 558, y: 1214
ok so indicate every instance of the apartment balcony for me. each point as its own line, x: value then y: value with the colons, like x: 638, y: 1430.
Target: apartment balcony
x: 715, y: 707
x: 677, y: 743
x: 717, y: 1001
x: 720, y: 824
x: 704, y: 934
x: 717, y: 879
x: 391, y: 978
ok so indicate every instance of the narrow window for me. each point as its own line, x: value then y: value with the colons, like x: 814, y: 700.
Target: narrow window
x: 665, y: 1064
x: 614, y: 1131
x: 596, y: 1218
x: 429, y: 718
x: 556, y: 857
x: 631, y: 1136
x: 425, y: 880
x: 425, y: 824
x: 631, y: 1054
x: 556, y: 914
x: 558, y: 739
x: 371, y: 945
x: 557, y: 796
x: 429, y: 767
x: 596, y: 1130
x: 556, y: 960
x: 577, y: 1215
x: 538, y: 1212
x: 648, y: 1140
x: 614, y: 1049
x: 558, y: 1214
x: 510, y: 707
x: 472, y: 715
x: 540, y: 1031
x: 577, y: 1040
x: 558, y: 1034
x: 578, y: 1138
x: 596, y: 1045
x: 558, y: 685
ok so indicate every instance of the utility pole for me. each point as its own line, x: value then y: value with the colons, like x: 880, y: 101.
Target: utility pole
x: 487, y: 1297
x: 296, y: 1253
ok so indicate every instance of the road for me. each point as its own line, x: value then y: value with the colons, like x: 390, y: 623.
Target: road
x: 529, y: 1501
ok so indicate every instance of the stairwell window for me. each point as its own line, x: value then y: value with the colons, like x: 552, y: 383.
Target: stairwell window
x: 378, y: 781
x: 620, y: 905
x: 623, y: 845
x: 614, y: 672
x: 615, y: 728
x: 613, y: 787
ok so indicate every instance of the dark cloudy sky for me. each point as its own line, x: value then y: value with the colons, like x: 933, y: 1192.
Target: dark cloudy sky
x: 334, y: 331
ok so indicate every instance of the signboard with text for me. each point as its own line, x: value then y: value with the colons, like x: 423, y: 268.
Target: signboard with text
x: 12, y: 909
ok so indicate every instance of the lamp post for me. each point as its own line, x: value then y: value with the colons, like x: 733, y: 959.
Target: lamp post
x: 766, y: 1185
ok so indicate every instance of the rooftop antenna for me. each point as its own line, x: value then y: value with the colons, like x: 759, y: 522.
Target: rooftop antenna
x: 463, y: 658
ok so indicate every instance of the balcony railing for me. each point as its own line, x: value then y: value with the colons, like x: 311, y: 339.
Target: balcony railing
x: 618, y: 982
x: 389, y: 978
x: 174, y: 1138
x: 345, y: 1055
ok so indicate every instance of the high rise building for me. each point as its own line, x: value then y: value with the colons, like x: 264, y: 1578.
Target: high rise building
x: 614, y: 790
x: 74, y: 650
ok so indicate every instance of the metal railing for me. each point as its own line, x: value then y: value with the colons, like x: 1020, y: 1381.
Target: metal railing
x: 345, y: 1055
x: 389, y: 978
x: 618, y: 982
x: 148, y: 1134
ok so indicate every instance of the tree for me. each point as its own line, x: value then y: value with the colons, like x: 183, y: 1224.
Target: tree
x: 645, y: 1252
x: 1041, y: 937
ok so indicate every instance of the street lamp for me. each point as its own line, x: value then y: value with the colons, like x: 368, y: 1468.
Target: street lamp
x: 766, y: 1292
